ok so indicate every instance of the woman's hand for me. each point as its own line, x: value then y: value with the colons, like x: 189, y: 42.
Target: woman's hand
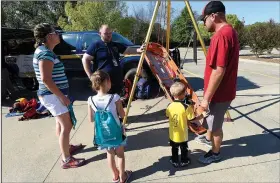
x: 65, y: 100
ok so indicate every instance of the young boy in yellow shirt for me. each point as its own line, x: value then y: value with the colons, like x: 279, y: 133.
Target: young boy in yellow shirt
x: 179, y: 115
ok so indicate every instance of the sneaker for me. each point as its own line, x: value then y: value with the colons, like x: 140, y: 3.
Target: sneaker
x: 176, y: 165
x: 209, y: 158
x: 72, y: 163
x: 185, y: 163
x: 201, y: 139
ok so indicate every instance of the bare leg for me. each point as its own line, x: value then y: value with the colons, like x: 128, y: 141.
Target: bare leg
x: 209, y: 135
x: 66, y: 125
x: 112, y: 163
x: 57, y: 128
x: 121, y: 163
x: 217, y: 140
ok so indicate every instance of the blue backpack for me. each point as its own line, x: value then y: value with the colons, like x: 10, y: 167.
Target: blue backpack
x: 107, y: 131
x: 143, y: 90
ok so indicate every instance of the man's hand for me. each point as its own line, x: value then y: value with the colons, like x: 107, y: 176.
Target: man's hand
x: 142, y: 48
x: 204, y: 104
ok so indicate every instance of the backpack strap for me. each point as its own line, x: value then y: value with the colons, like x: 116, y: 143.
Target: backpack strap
x: 93, y: 103
x: 112, y: 96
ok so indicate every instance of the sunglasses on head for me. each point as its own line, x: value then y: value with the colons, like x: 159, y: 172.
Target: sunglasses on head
x: 54, y: 32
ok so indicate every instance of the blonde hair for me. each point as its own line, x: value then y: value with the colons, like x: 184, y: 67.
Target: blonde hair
x: 177, y: 89
x: 98, y: 78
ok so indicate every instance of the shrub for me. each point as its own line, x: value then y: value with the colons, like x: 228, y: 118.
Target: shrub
x: 262, y: 36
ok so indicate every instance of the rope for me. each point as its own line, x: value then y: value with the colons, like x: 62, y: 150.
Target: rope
x: 192, y: 33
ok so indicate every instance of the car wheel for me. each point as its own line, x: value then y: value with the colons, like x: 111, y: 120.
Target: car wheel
x: 132, y: 72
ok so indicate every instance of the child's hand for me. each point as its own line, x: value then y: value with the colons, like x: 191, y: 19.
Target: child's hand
x: 196, y: 121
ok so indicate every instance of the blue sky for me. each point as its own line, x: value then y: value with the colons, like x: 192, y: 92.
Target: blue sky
x: 252, y: 11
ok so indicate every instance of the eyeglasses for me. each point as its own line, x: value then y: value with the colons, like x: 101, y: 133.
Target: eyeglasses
x: 205, y: 18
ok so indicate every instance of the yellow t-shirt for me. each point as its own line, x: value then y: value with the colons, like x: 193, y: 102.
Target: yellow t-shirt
x: 178, y: 115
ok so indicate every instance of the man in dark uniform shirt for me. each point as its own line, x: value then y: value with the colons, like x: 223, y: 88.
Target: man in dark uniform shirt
x: 105, y: 55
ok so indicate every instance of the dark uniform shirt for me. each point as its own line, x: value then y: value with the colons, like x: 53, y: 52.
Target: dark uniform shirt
x: 106, y: 57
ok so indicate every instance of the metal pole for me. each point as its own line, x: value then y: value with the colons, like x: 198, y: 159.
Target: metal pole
x: 196, y: 27
x: 168, y: 24
x: 141, y: 60
x: 201, y: 42
x: 195, y: 47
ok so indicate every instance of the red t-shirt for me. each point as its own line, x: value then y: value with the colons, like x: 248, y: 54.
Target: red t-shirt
x: 223, y: 52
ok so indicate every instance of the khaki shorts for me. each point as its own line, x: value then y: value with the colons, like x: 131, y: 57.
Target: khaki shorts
x: 215, y: 119
x: 53, y: 104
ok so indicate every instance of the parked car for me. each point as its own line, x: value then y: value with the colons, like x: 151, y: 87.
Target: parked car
x: 70, y: 51
x: 74, y: 44
x: 19, y: 47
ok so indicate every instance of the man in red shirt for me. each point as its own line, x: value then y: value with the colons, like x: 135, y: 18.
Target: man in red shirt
x: 220, y: 76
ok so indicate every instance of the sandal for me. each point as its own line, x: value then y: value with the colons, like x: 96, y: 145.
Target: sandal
x: 116, y: 180
x: 73, y: 163
x: 73, y: 148
x: 128, y: 175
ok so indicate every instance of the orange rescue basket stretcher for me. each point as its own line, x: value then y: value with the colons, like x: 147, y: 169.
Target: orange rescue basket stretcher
x: 166, y: 72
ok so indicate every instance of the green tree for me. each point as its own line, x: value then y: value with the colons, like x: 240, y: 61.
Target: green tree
x: 262, y: 36
x: 277, y: 38
x: 3, y: 17
x: 26, y: 14
x: 239, y: 27
x: 273, y: 37
x: 125, y: 27
x: 204, y: 33
x: 182, y: 27
x: 142, y: 18
x: 91, y: 15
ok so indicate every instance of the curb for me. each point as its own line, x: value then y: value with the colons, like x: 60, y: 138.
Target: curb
x: 258, y: 62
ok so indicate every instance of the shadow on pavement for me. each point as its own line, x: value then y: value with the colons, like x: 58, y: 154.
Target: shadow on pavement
x: 242, y: 83
x: 149, y: 117
x: 254, y: 145
x: 140, y: 141
x: 143, y: 140
x: 249, y: 146
x: 163, y: 165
